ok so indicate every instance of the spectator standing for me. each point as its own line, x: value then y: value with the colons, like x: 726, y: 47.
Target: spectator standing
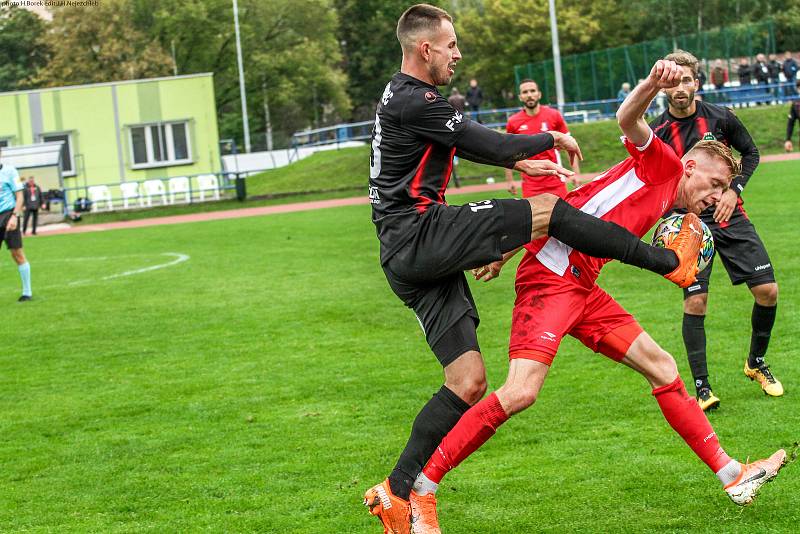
x: 774, y: 67
x: 719, y: 75
x: 702, y: 78
x: 790, y: 69
x: 457, y: 100
x: 32, y: 200
x: 624, y: 91
x: 744, y: 72
x: 760, y: 69
x: 475, y: 97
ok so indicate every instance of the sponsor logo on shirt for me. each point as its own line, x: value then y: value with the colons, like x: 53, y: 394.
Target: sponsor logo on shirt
x: 762, y: 267
x: 693, y: 288
x: 544, y: 126
x: 374, y: 198
x: 523, y: 127
x: 456, y: 119
x: 708, y: 136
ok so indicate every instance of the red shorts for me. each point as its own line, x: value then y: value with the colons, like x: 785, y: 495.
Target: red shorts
x: 543, y: 315
x: 536, y: 185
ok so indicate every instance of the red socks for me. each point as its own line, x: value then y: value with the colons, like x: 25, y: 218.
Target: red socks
x: 686, y: 417
x: 475, y: 427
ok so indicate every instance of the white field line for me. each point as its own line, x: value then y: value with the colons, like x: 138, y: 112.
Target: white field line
x: 177, y: 258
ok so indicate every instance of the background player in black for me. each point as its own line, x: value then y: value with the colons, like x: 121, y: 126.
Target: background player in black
x: 426, y: 244
x: 685, y: 122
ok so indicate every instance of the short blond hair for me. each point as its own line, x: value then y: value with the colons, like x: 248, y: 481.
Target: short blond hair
x: 417, y: 19
x: 684, y: 59
x: 720, y: 151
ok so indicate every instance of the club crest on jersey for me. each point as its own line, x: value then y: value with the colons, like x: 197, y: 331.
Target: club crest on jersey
x: 708, y: 136
x: 430, y: 96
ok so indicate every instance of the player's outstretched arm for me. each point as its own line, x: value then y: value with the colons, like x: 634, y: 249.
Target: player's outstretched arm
x: 484, y: 145
x: 630, y: 114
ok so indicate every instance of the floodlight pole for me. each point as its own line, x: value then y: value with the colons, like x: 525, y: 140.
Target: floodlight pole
x: 556, y: 56
x: 242, y: 92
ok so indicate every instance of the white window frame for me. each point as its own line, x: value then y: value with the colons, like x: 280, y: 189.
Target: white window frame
x: 169, y: 145
x: 74, y: 171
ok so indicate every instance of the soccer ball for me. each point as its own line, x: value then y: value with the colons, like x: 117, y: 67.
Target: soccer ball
x: 668, y: 228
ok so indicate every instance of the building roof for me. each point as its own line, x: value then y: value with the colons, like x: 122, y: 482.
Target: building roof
x: 108, y: 84
x: 33, y: 156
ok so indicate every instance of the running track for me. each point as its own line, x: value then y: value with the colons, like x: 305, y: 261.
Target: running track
x: 288, y: 208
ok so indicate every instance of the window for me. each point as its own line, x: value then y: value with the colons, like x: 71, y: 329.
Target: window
x: 67, y: 163
x: 4, y: 143
x: 158, y: 145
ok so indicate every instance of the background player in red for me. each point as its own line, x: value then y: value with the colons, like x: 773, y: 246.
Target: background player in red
x: 536, y: 118
x: 557, y: 295
x: 738, y: 245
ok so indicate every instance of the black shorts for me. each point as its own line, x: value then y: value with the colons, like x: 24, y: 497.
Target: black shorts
x: 13, y: 239
x: 427, y: 273
x: 742, y: 253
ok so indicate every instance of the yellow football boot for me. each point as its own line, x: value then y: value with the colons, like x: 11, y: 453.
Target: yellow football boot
x: 763, y: 375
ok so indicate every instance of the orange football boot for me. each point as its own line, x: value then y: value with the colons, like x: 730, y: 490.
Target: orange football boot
x: 686, y: 246
x: 394, y: 512
x: 744, y: 489
x: 423, y: 514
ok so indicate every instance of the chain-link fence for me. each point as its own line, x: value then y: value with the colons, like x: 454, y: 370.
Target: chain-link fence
x: 600, y: 74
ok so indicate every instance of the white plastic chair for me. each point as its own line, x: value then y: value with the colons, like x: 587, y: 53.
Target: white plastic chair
x: 179, y: 186
x: 153, y: 188
x: 98, y: 194
x: 130, y: 190
x: 208, y: 182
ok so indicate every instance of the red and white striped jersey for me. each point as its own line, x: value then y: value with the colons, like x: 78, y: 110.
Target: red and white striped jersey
x: 635, y: 193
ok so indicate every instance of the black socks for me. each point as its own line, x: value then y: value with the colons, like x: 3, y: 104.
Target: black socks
x: 763, y: 319
x: 433, y: 422
x: 603, y: 239
x: 694, y: 337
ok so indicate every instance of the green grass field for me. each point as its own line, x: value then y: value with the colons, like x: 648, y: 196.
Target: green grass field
x: 268, y: 376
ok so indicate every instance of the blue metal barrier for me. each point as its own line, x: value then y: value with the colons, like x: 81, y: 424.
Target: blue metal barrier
x: 585, y: 111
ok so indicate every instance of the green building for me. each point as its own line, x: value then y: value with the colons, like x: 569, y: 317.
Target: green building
x: 127, y: 131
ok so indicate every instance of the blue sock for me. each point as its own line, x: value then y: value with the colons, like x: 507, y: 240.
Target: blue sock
x: 25, y: 274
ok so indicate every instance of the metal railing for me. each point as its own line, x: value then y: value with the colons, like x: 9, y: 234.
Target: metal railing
x: 586, y: 111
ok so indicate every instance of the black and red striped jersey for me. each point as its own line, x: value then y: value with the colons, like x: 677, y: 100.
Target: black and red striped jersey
x: 711, y: 122
x: 411, y: 160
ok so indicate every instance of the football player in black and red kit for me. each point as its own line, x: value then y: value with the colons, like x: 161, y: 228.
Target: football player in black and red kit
x: 425, y: 244
x: 743, y: 255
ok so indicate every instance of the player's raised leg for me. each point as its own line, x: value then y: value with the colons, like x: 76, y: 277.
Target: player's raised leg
x: 602, y: 239
x: 762, y: 320
x: 741, y: 482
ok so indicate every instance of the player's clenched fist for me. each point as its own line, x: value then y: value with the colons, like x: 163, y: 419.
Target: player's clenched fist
x: 665, y: 74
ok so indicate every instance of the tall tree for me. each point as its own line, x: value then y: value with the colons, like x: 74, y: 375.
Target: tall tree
x: 21, y: 51
x: 293, y: 63
x: 99, y: 45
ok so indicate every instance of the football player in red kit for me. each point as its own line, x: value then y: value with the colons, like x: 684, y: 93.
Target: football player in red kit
x: 557, y: 295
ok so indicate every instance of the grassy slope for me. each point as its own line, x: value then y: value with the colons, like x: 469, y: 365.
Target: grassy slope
x: 342, y: 173
x: 599, y: 142
x: 265, y: 383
